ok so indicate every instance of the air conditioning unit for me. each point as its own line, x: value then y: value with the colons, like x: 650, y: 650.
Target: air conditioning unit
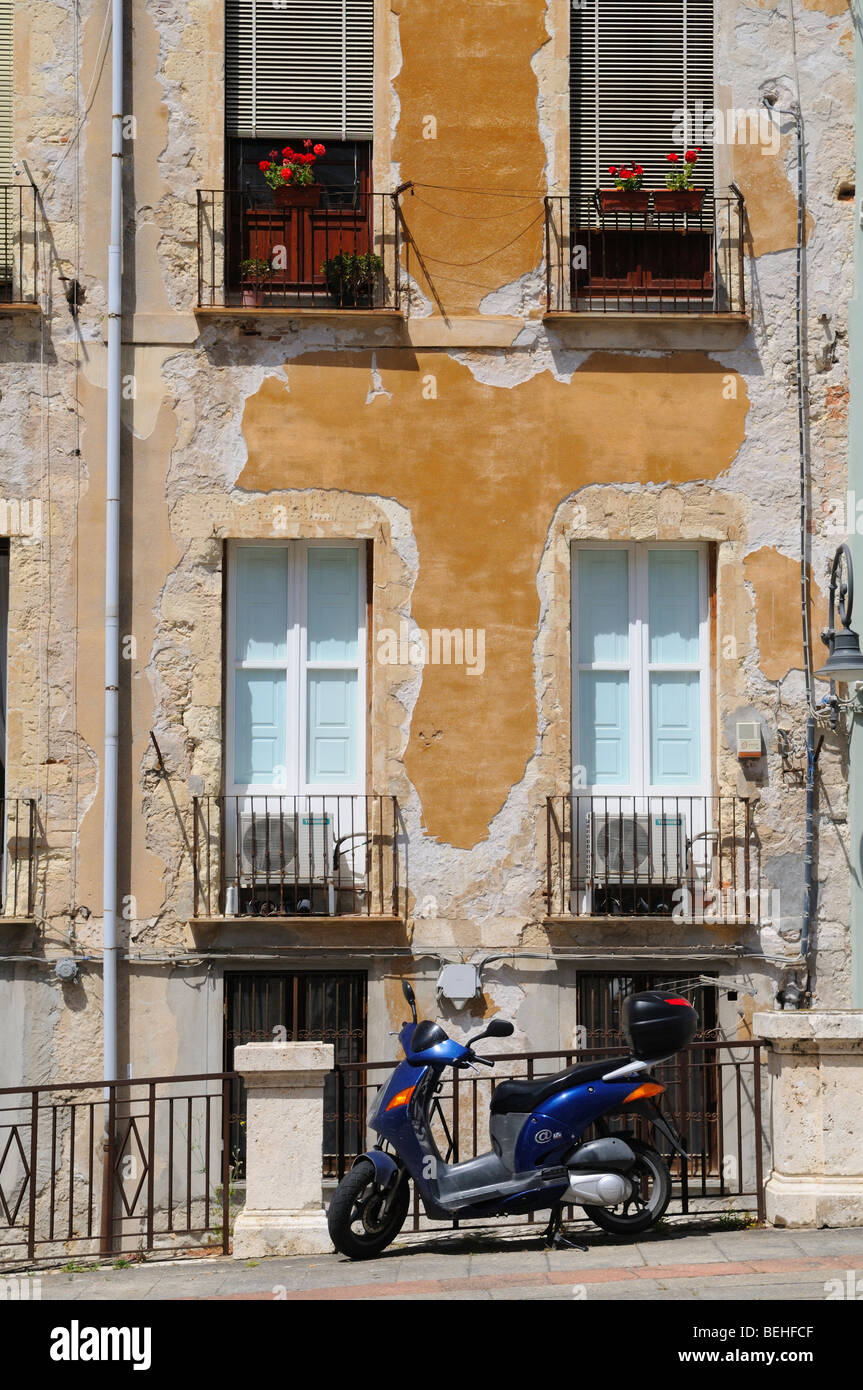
x: 625, y: 847
x: 286, y: 848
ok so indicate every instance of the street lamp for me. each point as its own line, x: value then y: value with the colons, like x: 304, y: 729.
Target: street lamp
x: 845, y: 660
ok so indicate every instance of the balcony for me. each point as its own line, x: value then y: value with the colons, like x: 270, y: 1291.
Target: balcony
x: 18, y: 880
x: 692, y: 860
x: 649, y: 263
x: 18, y: 257
x: 259, y: 256
x: 297, y: 857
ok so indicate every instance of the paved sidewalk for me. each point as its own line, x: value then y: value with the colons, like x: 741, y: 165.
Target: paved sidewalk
x: 678, y: 1263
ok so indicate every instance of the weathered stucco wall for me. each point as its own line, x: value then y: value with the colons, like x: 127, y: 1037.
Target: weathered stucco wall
x: 469, y: 465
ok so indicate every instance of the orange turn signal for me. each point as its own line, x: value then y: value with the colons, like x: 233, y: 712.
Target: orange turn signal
x: 402, y: 1097
x: 642, y: 1092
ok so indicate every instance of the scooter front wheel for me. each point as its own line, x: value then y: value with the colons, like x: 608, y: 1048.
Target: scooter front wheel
x: 651, y: 1194
x: 363, y: 1220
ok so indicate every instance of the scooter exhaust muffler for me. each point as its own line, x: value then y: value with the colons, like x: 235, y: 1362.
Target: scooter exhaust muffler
x: 597, y: 1189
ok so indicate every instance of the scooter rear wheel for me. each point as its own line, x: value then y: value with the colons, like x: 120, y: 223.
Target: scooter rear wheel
x: 652, y: 1184
x: 359, y: 1225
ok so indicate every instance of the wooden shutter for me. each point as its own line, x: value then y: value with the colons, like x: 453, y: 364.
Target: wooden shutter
x: 299, y: 68
x: 632, y: 67
x: 6, y: 9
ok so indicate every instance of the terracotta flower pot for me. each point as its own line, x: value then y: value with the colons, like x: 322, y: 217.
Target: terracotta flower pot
x: 624, y: 200
x: 253, y: 299
x: 678, y: 199
x: 305, y: 195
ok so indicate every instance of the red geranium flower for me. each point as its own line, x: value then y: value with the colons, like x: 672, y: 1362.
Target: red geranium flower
x: 691, y: 156
x: 264, y: 164
x: 287, y: 174
x: 674, y: 158
x: 320, y: 149
x: 307, y: 144
x: 288, y: 151
x: 612, y: 168
x: 638, y: 169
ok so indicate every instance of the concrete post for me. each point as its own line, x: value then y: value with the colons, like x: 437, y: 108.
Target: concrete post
x: 816, y: 1107
x: 283, y: 1214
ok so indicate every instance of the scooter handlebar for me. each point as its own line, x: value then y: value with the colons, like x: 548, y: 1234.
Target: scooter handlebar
x: 475, y: 1057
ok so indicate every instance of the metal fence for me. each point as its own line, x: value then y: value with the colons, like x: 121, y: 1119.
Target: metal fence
x: 99, y: 1168
x: 650, y: 261
x: 691, y: 859
x: 342, y: 254
x: 18, y: 875
x: 713, y: 1094
x: 18, y: 250
x: 285, y: 856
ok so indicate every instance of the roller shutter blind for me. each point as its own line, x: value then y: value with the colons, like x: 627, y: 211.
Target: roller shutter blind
x: 296, y: 68
x: 632, y: 67
x: 6, y: 8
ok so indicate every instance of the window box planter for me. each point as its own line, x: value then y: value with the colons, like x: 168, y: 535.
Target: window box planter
x: 678, y: 200
x: 305, y: 195
x: 623, y: 200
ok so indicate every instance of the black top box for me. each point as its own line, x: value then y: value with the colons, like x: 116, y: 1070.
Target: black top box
x: 657, y: 1023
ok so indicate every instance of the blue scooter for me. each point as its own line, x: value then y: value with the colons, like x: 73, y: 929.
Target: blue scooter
x: 539, y: 1159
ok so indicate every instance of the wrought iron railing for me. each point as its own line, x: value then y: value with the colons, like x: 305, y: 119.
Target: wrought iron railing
x: 256, y: 254
x: 294, y: 856
x: 713, y: 1093
x: 18, y: 248
x: 692, y: 859
x: 645, y: 262
x: 101, y: 1167
x: 20, y: 844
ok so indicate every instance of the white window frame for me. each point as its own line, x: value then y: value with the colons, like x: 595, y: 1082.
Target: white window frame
x: 296, y: 667
x: 639, y: 668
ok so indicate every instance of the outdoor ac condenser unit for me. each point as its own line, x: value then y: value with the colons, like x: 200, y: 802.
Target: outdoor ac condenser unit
x: 286, y: 848
x: 623, y: 847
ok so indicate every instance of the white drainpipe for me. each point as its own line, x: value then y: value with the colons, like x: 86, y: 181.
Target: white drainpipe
x: 112, y: 555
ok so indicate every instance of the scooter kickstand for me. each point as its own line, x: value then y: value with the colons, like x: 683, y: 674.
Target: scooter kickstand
x: 554, y: 1239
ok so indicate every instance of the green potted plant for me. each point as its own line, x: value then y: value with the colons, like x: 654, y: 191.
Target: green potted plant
x: 255, y: 273
x: 291, y: 177
x: 351, y: 277
x: 678, y: 194
x: 627, y: 194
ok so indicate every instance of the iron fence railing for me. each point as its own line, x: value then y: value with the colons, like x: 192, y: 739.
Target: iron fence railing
x: 343, y: 254
x: 645, y: 262
x: 20, y: 843
x: 95, y: 1168
x: 18, y: 246
x: 714, y: 1095
x: 287, y: 856
x: 691, y: 859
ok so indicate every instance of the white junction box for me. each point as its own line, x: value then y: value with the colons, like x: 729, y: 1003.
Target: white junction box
x: 749, y: 739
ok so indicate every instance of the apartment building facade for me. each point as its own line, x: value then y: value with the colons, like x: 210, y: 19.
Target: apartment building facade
x: 461, y: 612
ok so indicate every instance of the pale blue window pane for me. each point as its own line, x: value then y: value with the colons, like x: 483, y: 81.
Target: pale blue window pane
x: 673, y: 590
x: 603, y: 606
x: 333, y: 604
x: 261, y: 603
x: 675, y: 728
x: 603, y: 726
x: 333, y: 723
x: 259, y: 727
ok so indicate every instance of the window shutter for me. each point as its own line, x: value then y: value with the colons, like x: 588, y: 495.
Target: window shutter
x: 631, y: 69
x: 6, y: 11
x: 299, y: 68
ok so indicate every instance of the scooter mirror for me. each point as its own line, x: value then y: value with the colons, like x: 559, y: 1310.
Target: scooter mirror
x: 407, y: 991
x: 499, y: 1028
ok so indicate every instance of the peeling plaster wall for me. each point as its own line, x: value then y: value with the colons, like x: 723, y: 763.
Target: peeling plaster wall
x: 470, y: 495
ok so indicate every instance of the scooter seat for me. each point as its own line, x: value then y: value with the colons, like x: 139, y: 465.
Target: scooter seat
x: 520, y: 1097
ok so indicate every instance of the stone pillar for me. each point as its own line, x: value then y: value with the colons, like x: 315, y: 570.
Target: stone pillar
x: 816, y: 1108
x: 284, y: 1213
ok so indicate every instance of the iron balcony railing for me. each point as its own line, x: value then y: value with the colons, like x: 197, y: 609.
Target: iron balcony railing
x: 20, y: 844
x: 253, y: 253
x: 646, y: 262
x: 690, y: 859
x: 18, y: 251
x: 297, y: 856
